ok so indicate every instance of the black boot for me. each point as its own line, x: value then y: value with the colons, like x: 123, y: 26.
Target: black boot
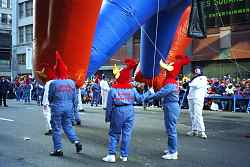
x: 78, y: 147
x: 78, y: 123
x: 57, y: 153
x: 49, y: 133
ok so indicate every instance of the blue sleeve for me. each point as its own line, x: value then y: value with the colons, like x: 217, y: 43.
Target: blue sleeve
x: 75, y: 99
x: 109, y: 107
x: 138, y: 97
x: 51, y: 92
x: 162, y: 92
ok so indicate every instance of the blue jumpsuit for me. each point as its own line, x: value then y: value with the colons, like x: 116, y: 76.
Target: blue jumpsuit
x: 26, y: 91
x: 63, y: 101
x: 172, y: 110
x: 96, y: 94
x: 120, y: 114
x: 76, y: 115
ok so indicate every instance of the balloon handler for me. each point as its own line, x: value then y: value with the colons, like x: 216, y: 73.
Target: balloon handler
x: 170, y: 93
x: 63, y: 101
x: 120, y: 111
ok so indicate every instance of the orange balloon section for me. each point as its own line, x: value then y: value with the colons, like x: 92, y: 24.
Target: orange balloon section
x: 181, y: 40
x: 66, y: 26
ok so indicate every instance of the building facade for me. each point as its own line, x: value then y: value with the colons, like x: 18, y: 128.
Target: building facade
x: 226, y: 48
x: 22, y: 38
x: 5, y: 37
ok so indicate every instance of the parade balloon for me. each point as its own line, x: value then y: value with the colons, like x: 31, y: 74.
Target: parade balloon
x: 86, y: 41
x: 120, y: 19
x: 67, y: 27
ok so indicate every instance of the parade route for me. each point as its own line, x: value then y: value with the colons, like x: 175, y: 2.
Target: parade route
x: 6, y: 119
x: 23, y: 143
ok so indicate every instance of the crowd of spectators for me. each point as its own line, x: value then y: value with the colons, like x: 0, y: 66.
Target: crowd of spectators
x: 25, y: 88
x: 225, y: 90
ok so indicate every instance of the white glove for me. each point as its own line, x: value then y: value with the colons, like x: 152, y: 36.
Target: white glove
x: 167, y: 66
x: 151, y: 90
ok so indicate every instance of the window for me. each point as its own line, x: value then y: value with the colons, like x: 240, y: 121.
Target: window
x: 21, y: 35
x: 9, y: 4
x: 9, y: 19
x: 4, y: 62
x: 4, y: 3
x: 4, y: 18
x: 21, y: 10
x: 29, y: 8
x: 29, y: 33
x: 21, y: 59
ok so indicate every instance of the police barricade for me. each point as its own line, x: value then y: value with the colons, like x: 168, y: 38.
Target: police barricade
x: 237, y: 102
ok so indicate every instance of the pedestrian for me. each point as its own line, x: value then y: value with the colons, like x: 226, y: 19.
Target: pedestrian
x: 197, y: 91
x: 170, y: 93
x: 63, y: 101
x: 76, y: 116
x: 27, y: 90
x: 38, y: 92
x: 96, y: 90
x: 4, y: 89
x: 49, y: 76
x: 120, y: 112
x: 104, y: 91
x: 18, y: 89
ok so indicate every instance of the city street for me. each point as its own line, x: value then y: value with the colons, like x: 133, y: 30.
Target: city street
x: 23, y: 143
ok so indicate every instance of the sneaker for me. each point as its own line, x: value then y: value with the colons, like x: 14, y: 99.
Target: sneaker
x: 124, y: 159
x: 192, y: 133
x: 203, y: 135
x: 49, y: 133
x: 109, y: 158
x: 170, y: 156
x: 58, y: 153
x: 165, y: 151
x: 78, y: 147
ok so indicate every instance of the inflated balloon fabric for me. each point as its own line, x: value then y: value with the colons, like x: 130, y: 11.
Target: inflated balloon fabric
x: 67, y: 26
x: 120, y: 19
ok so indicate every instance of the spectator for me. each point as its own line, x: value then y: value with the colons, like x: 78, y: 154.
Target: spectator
x: 230, y: 89
x: 104, y: 91
x: 4, y: 89
x: 96, y: 90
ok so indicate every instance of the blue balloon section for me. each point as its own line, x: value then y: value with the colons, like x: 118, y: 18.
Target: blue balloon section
x: 120, y: 19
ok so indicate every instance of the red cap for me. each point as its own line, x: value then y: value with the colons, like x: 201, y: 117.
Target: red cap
x: 50, y: 74
x: 61, y: 70
x: 125, y: 73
